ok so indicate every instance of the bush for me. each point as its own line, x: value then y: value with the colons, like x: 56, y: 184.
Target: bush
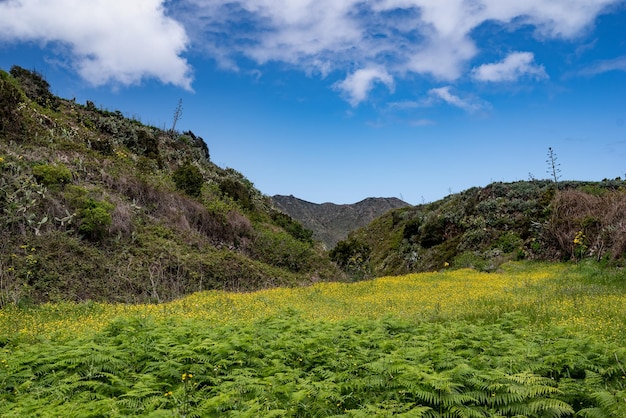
x: 279, y: 249
x: 52, y: 174
x: 237, y: 191
x: 509, y: 242
x: 293, y: 227
x: 95, y: 218
x: 189, y: 179
x: 353, y: 257
x: 411, y: 229
x: 10, y: 116
x: 432, y: 232
x: 35, y: 87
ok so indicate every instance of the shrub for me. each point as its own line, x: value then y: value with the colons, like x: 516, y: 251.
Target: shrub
x: 149, y: 146
x: 293, y: 227
x: 237, y: 191
x: 433, y: 231
x: 21, y: 197
x: 598, y: 218
x: 353, y: 257
x: 35, y: 87
x: 474, y: 239
x: 10, y: 116
x: 411, y: 229
x: 279, y: 249
x: 188, y: 178
x: 509, y: 242
x: 95, y: 218
x: 198, y: 142
x: 52, y: 174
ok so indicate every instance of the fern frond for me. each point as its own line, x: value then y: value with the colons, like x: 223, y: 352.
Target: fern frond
x: 604, y: 399
x: 592, y: 413
x: 553, y: 407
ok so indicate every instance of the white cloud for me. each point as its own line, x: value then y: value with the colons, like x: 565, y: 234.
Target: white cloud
x: 514, y: 66
x: 399, y: 37
x: 357, y: 86
x: 615, y: 64
x: 107, y: 41
x: 444, y: 94
x: 124, y: 41
x: 422, y: 122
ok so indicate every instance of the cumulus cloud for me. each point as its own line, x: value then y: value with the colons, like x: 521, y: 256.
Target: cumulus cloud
x: 514, y: 66
x: 124, y: 41
x: 357, y: 85
x: 106, y: 41
x: 397, y: 37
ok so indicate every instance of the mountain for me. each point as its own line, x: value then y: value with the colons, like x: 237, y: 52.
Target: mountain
x: 97, y: 206
x: 330, y: 222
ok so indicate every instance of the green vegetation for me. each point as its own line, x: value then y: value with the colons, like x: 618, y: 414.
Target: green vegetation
x: 188, y: 178
x: 484, y: 227
x: 35, y: 87
x: 353, y: 257
x: 95, y: 218
x: 97, y: 197
x: 52, y: 175
x: 92, y: 211
x: 11, y: 118
x: 143, y: 214
x: 534, y: 340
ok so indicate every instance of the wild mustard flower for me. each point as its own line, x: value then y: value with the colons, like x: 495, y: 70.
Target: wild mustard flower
x: 579, y: 244
x: 579, y: 239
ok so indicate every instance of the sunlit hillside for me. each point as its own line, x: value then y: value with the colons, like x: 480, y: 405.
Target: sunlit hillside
x: 98, y: 206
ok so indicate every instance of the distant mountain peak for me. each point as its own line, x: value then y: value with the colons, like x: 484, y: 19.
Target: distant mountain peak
x: 332, y: 222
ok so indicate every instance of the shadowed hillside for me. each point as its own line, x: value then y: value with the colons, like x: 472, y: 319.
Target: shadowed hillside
x: 331, y: 223
x: 483, y: 227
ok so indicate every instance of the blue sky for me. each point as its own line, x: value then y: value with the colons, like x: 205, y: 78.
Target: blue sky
x: 339, y: 100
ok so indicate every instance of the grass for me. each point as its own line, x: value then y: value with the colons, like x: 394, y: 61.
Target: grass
x: 531, y: 339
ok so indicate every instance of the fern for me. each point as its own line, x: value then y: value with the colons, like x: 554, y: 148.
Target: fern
x: 288, y: 366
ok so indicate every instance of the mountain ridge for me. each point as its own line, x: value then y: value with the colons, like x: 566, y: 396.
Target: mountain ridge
x: 331, y: 222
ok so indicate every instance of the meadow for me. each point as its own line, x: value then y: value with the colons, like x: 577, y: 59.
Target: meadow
x: 532, y: 339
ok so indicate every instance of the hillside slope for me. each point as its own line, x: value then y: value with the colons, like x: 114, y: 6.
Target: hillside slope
x: 330, y: 222
x: 483, y: 227
x: 96, y: 206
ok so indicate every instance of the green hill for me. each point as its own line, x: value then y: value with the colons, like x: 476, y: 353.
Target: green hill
x: 483, y: 227
x: 98, y: 206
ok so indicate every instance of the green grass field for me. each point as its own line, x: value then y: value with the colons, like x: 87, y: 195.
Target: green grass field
x: 534, y: 340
